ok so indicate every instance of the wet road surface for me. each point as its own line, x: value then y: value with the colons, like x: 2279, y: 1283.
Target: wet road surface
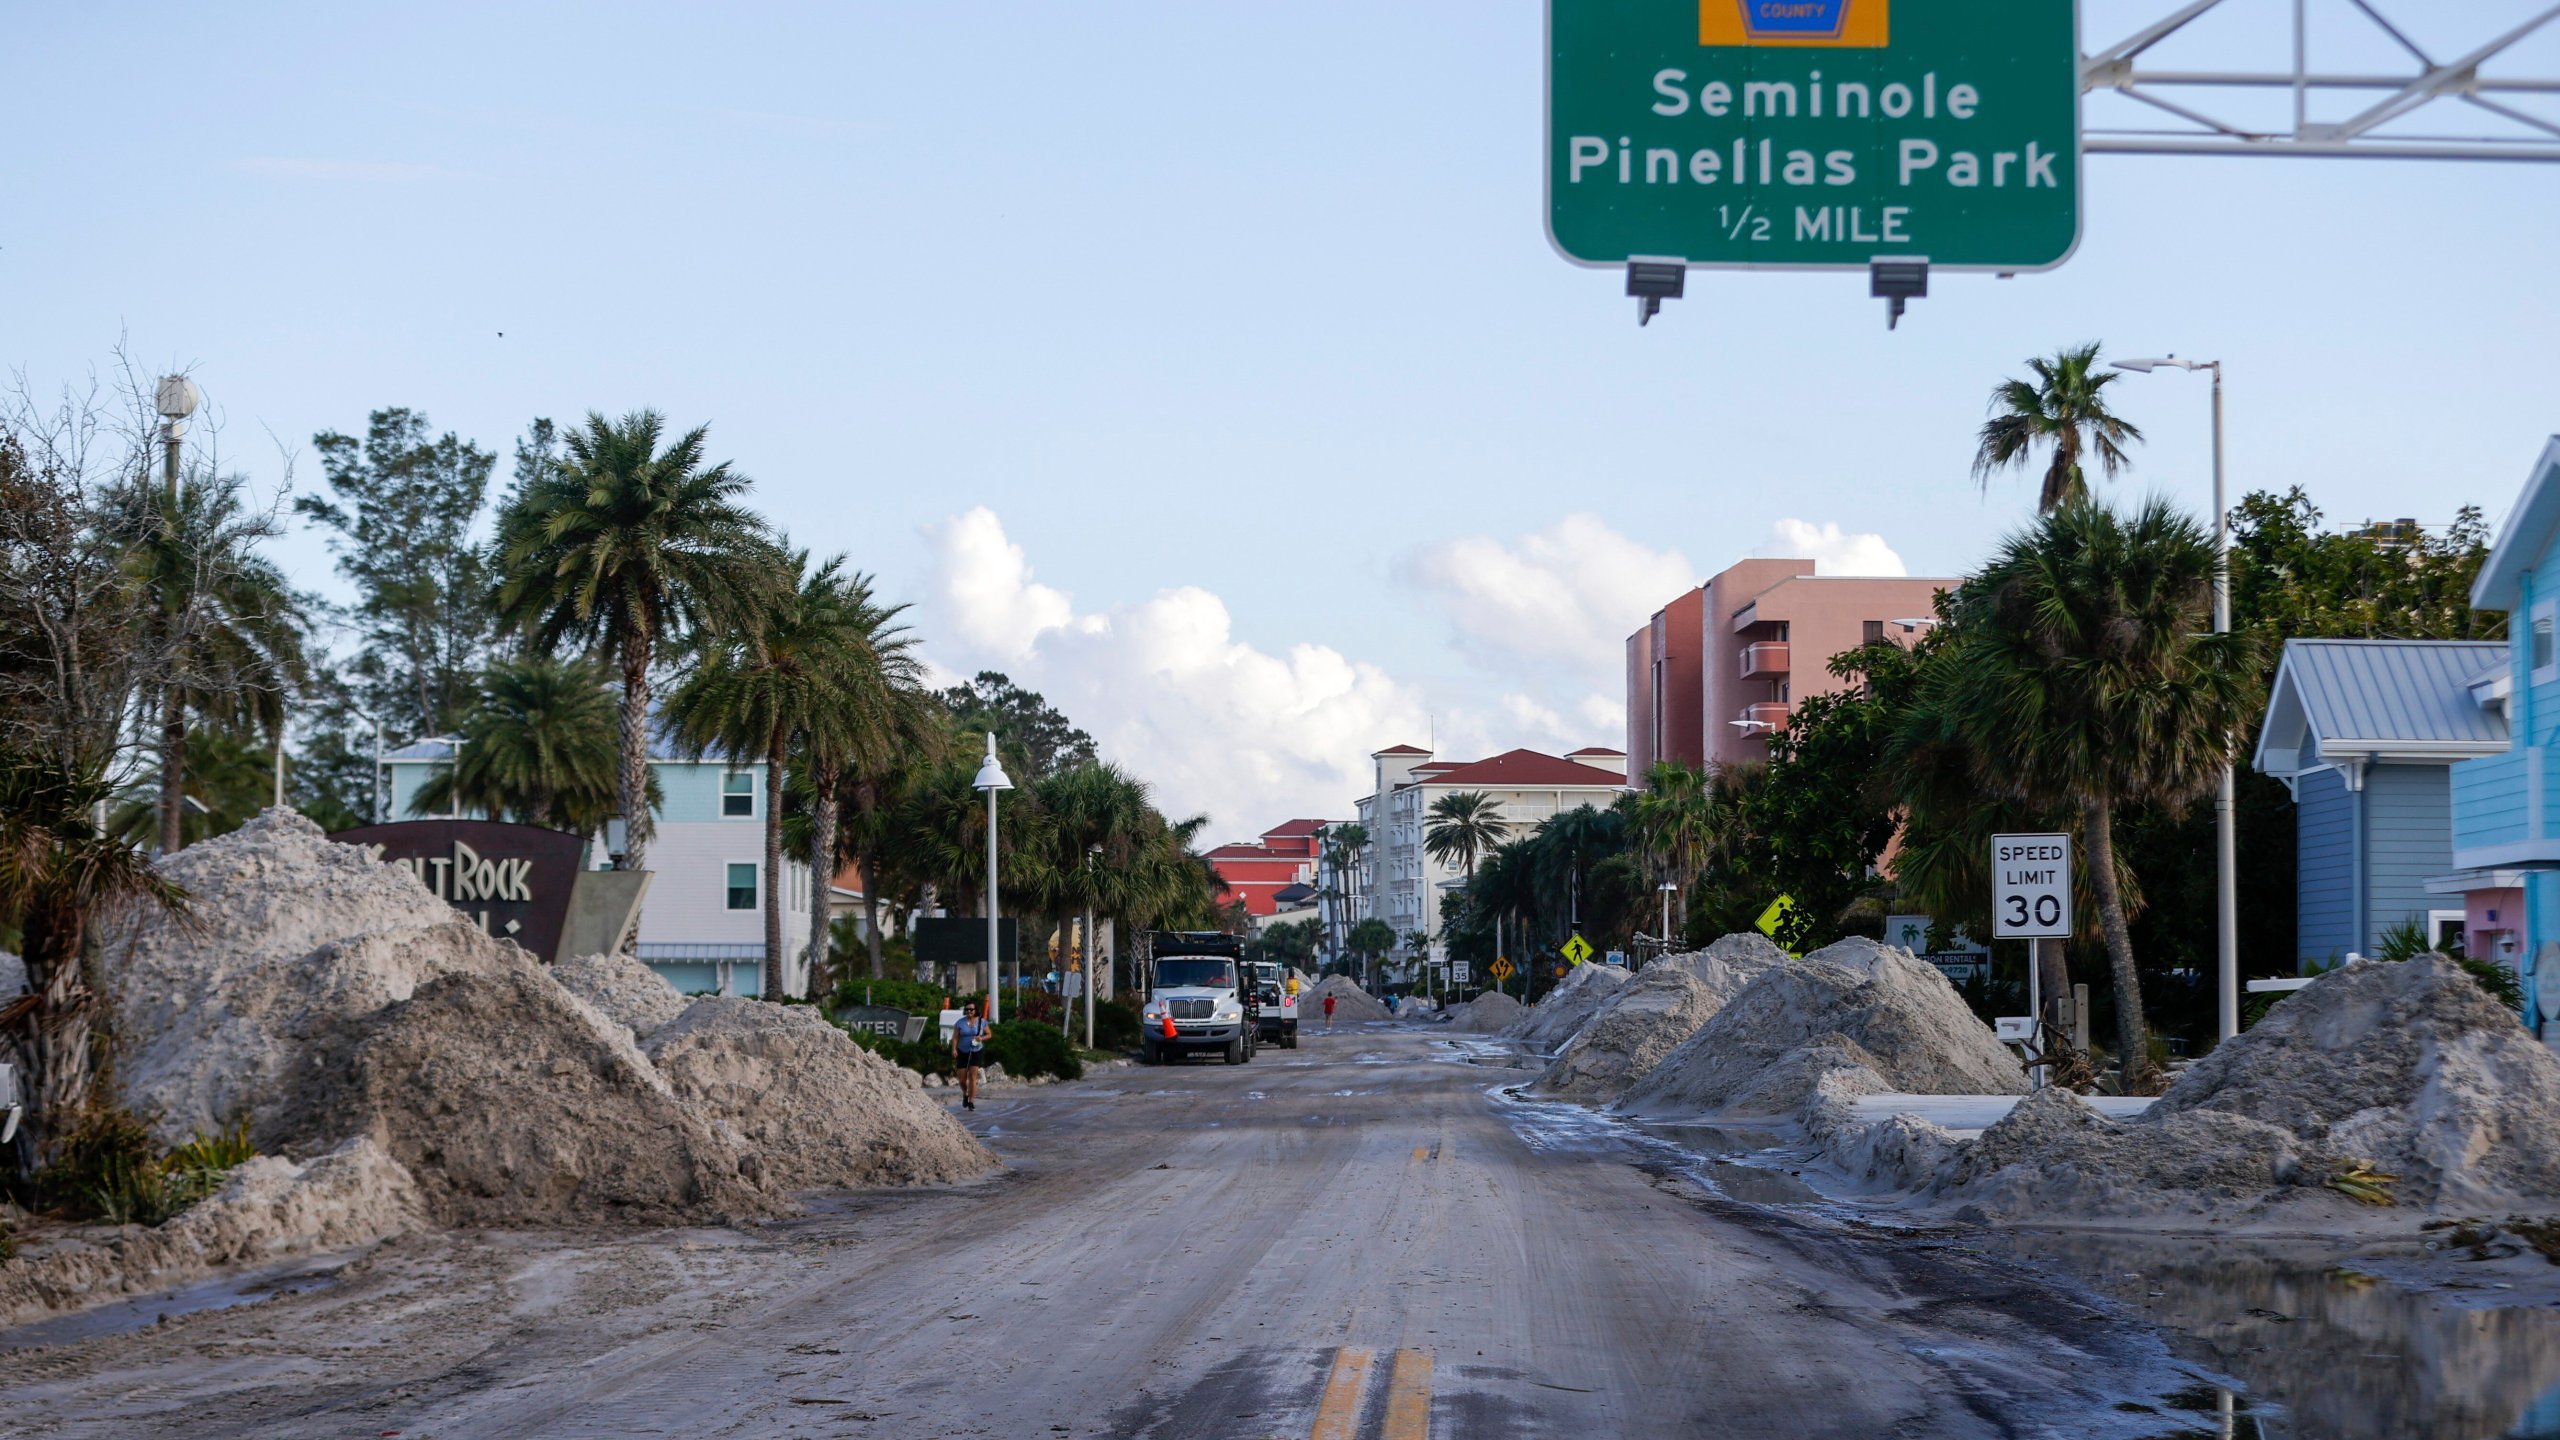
x: 1362, y: 1239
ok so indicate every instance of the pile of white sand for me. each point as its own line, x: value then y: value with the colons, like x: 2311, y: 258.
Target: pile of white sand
x: 1852, y: 1005
x: 1351, y: 1004
x: 623, y: 991
x: 1644, y: 1019
x: 812, y: 1108
x: 267, y: 1208
x: 2409, y: 1068
x: 1563, y: 1011
x: 1490, y: 1013
x: 321, y: 996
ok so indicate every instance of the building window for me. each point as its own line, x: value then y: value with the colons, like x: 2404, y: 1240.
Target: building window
x: 738, y: 795
x: 1870, y: 632
x: 2543, y: 615
x: 742, y: 885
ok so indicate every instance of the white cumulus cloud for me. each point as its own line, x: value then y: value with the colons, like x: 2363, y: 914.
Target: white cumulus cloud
x: 1832, y: 550
x: 1212, y: 723
x: 1568, y: 595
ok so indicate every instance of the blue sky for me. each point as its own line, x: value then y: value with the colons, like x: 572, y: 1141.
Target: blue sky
x: 1238, y: 322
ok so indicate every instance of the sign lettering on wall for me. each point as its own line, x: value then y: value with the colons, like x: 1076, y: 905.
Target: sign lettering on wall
x: 513, y: 881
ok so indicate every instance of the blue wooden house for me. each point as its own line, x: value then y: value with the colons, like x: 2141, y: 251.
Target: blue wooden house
x: 2506, y: 814
x: 2366, y: 733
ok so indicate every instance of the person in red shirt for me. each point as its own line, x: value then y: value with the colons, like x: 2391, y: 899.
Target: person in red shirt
x: 1328, y: 1010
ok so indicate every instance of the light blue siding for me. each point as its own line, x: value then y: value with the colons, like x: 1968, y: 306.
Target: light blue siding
x: 2325, y: 865
x: 2408, y: 818
x: 2489, y: 801
x: 691, y: 791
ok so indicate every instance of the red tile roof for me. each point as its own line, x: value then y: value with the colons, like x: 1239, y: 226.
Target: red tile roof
x: 1593, y: 750
x: 1527, y: 769
x: 1297, y: 827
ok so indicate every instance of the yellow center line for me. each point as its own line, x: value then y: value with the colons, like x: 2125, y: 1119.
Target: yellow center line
x: 1338, y: 1414
x: 1409, y: 1397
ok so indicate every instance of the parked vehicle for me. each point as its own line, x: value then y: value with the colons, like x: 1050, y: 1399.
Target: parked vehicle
x: 1199, y: 1001
x: 1275, y: 998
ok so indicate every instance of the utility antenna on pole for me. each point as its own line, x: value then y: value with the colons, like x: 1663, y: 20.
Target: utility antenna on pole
x: 2467, y: 115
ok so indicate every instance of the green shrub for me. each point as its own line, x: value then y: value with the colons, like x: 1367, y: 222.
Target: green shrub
x: 907, y: 995
x: 1115, y: 1026
x: 107, y: 1168
x: 928, y: 1056
x: 1026, y: 1048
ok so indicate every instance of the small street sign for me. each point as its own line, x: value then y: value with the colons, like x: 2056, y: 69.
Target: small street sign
x: 1813, y: 134
x: 2030, y: 887
x: 1459, y: 970
x: 1577, y: 950
x: 2014, y: 1029
x: 1500, y: 969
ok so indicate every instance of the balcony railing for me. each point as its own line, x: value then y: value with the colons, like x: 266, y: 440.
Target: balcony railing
x: 1766, y: 657
x: 1764, y: 717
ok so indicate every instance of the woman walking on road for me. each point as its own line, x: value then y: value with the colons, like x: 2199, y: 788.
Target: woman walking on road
x: 1328, y: 1012
x: 968, y: 1042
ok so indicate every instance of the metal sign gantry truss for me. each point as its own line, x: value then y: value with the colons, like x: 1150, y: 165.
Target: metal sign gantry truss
x: 2438, y: 86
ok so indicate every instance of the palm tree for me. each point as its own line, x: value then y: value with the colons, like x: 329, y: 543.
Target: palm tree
x: 888, y: 717
x: 1463, y: 826
x: 627, y: 547
x: 1346, y: 848
x: 231, y: 629
x: 1676, y: 819
x: 2083, y: 675
x: 758, y: 692
x: 60, y: 880
x: 538, y: 747
x: 1099, y: 825
x: 2066, y: 408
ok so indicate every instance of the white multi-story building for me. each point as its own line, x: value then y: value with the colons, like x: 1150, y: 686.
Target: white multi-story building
x: 1527, y: 787
x: 702, y: 921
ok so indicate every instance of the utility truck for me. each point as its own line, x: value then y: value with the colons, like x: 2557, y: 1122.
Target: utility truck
x: 1276, y: 997
x: 1199, y: 1000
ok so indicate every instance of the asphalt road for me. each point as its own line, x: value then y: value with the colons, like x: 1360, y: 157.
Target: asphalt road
x: 1358, y: 1240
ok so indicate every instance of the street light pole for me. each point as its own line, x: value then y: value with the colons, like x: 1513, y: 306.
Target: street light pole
x: 2226, y: 842
x: 992, y: 779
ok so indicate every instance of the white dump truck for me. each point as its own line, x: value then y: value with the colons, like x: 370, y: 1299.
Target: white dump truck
x: 1275, y: 995
x: 1200, y: 1001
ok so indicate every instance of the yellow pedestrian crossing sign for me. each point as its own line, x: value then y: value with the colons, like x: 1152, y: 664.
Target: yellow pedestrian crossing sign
x: 1577, y: 950
x: 1500, y: 969
x: 1785, y: 923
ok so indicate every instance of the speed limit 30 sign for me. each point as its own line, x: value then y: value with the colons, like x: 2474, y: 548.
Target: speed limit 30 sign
x: 2030, y: 887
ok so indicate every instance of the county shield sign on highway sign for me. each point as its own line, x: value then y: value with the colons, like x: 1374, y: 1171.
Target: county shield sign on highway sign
x: 1814, y: 134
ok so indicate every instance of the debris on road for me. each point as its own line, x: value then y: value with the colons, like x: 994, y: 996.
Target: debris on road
x: 1351, y: 1004
x: 337, y: 1008
x: 1490, y: 1013
x: 353, y: 1195
x: 2407, y: 1070
x: 1639, y: 1023
x: 1563, y: 1011
x: 1767, y: 1049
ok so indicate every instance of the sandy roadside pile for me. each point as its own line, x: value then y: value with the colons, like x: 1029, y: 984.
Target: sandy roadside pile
x: 325, y: 998
x: 1351, y: 1004
x: 1891, y: 1022
x: 1490, y: 1013
x: 1564, y: 1010
x: 1643, y: 1020
x: 2406, y: 1069
x: 269, y: 1207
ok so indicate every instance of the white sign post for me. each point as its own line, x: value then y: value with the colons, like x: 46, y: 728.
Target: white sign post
x: 2031, y: 901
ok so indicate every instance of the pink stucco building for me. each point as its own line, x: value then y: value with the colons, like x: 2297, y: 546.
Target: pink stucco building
x: 1720, y: 667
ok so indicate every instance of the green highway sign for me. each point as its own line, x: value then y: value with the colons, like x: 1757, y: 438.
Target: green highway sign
x: 1814, y: 134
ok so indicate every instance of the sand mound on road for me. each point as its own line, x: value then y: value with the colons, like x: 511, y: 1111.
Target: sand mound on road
x: 1351, y: 1004
x: 1898, y: 1012
x: 1639, y: 1023
x: 1730, y: 963
x: 622, y: 990
x: 513, y: 1103
x: 2409, y: 1067
x: 1567, y: 1008
x: 268, y: 1208
x: 289, y: 938
x: 1490, y: 1013
x: 811, y: 1108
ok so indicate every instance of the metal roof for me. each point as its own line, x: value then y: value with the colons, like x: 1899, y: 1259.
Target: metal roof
x: 2362, y: 697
